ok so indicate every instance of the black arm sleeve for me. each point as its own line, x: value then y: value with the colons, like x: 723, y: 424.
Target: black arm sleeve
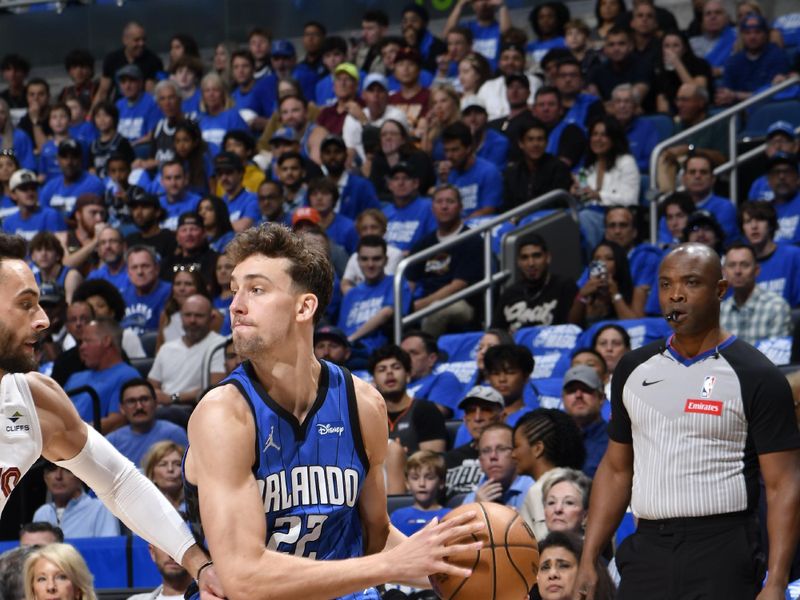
x: 429, y: 422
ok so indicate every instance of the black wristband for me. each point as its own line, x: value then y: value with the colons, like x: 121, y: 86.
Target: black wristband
x: 200, y: 570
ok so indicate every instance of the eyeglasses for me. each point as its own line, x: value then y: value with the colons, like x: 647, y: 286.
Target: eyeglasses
x: 79, y: 320
x: 498, y: 450
x: 138, y: 400
x: 8, y: 152
x: 186, y: 268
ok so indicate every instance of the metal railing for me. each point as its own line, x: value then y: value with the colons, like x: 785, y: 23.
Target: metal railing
x: 489, y: 279
x: 732, y: 166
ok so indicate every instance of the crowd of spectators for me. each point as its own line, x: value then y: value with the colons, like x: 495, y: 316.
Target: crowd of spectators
x: 128, y: 186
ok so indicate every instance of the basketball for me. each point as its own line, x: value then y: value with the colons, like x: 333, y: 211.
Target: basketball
x: 504, y: 569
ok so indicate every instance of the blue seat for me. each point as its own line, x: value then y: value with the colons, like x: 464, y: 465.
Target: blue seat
x: 642, y: 331
x: 766, y: 114
x: 549, y: 393
x: 460, y: 346
x: 551, y: 345
x: 663, y: 125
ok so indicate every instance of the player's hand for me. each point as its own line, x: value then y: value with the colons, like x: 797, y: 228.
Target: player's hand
x: 771, y: 592
x: 489, y: 492
x: 424, y: 553
x: 585, y: 582
x: 210, y: 586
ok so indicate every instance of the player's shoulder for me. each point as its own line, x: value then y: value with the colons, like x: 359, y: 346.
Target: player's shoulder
x: 633, y: 359
x: 369, y: 401
x: 222, y: 403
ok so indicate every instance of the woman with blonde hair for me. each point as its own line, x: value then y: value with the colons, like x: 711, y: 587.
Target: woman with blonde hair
x: 57, y: 570
x: 217, y: 113
x: 162, y: 466
x: 443, y: 110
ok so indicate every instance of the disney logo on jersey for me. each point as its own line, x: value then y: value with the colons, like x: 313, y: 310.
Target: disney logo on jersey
x: 15, y: 427
x: 330, y: 428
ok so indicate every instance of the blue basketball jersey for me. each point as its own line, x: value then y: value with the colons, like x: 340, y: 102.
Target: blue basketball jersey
x: 310, y: 474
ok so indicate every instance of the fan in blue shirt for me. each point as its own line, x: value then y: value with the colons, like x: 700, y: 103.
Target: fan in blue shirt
x: 479, y: 181
x: 176, y: 199
x: 62, y: 192
x: 31, y: 218
x: 138, y: 112
x: 425, y: 479
x: 368, y: 307
x: 322, y: 196
x: 485, y: 31
x: 783, y: 178
x: 23, y: 147
x: 147, y: 295
x: 242, y: 205
x: 256, y: 95
x: 216, y: 120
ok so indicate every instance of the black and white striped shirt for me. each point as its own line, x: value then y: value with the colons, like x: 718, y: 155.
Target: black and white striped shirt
x: 698, y: 425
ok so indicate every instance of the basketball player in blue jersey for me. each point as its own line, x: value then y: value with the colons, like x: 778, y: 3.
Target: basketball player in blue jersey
x: 41, y: 420
x: 285, y: 457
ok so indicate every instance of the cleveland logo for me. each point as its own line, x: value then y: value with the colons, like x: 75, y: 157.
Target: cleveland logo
x: 17, y: 427
x: 703, y: 407
x: 15, y: 417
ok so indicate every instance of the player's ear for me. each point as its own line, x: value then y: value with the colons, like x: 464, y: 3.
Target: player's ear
x: 722, y: 288
x: 307, y: 305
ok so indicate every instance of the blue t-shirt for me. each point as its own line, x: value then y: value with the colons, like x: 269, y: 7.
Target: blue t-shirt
x: 514, y: 496
x: 119, y: 280
x: 191, y: 106
x: 139, y: 118
x: 134, y: 445
x: 535, y: 51
x: 62, y: 196
x: 23, y: 149
x: 48, y: 165
x: 442, y: 388
x: 481, y: 186
x: 343, y: 231
x: 85, y: 133
x: 494, y: 149
x: 106, y: 382
x: 425, y: 80
x: 7, y: 207
x: 485, y: 40
x: 308, y: 76
x: 595, y: 440
x: 409, y: 224
x: 745, y: 74
x: 410, y: 519
x: 780, y: 273
x: 788, y: 220
x: 214, y: 127
x: 642, y: 138
x: 721, y: 51
x: 243, y: 206
x: 724, y: 212
x: 44, y: 219
x: 186, y: 203
x: 262, y: 97
x: 363, y: 302
x: 644, y: 260
x: 357, y: 195
x: 143, y: 312
x: 579, y: 111
x: 789, y: 26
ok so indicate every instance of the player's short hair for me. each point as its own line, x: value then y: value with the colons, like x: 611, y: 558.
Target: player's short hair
x: 593, y: 352
x: 385, y: 353
x: 40, y: 526
x: 427, y: 458
x: 372, y: 241
x: 496, y: 427
x: 428, y: 340
x: 325, y: 186
x: 12, y: 247
x: 508, y: 355
x: 309, y: 267
x: 459, y: 132
x: 742, y: 246
x: 136, y: 382
x: 142, y: 248
x: 376, y: 16
x: 290, y: 156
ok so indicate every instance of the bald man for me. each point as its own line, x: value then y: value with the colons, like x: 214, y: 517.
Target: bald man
x: 177, y: 374
x: 694, y: 418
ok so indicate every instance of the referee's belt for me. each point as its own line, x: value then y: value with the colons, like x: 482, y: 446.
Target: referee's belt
x: 681, y: 524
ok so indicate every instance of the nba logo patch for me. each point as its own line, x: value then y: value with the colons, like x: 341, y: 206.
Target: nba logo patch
x: 708, y: 386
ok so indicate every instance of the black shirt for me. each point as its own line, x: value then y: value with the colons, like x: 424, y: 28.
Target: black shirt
x: 148, y: 61
x: 606, y: 76
x: 527, y: 304
x: 463, y: 470
x: 463, y: 261
x: 520, y: 184
x: 205, y: 259
x: 510, y: 127
x: 420, y: 422
x: 418, y: 160
x: 99, y: 152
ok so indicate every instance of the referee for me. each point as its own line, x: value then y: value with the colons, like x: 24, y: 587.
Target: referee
x: 694, y: 419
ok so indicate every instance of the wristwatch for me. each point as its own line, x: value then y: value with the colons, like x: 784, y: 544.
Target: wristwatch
x: 175, y: 399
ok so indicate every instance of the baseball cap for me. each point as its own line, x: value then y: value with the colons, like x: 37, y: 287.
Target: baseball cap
x: 348, y: 68
x: 131, y: 71
x: 332, y: 138
x: 88, y: 200
x: 228, y: 161
x: 402, y: 167
x: 284, y: 133
x: 783, y: 127
x: 21, y: 177
x: 473, y: 101
x: 584, y: 374
x: 408, y: 53
x: 485, y: 393
x: 753, y: 21
x: 306, y: 213
x: 282, y: 48
x: 190, y: 217
x: 139, y: 196
x: 782, y: 158
x: 376, y: 78
x: 703, y: 218
x: 69, y: 146
x: 332, y: 333
x: 519, y: 78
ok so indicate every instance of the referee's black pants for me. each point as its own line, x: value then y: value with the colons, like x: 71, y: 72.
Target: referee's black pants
x: 703, y: 558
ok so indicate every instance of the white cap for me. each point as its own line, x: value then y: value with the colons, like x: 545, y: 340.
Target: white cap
x: 485, y: 393
x: 471, y: 102
x: 21, y: 177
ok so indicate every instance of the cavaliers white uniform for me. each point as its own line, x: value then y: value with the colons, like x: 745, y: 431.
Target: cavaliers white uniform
x: 20, y: 434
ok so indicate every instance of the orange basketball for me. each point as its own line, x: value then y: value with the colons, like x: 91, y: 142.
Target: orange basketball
x: 504, y: 569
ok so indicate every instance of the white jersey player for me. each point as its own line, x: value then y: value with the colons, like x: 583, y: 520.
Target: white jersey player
x: 39, y: 419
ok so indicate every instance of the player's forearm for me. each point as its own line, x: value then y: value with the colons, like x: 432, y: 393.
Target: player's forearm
x: 611, y: 494
x: 371, y: 324
x: 783, y: 526
x: 395, y: 538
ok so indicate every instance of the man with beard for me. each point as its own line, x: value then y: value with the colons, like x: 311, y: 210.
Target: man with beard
x: 414, y: 422
x: 281, y: 286
x: 49, y: 425
x: 146, y: 211
x: 174, y: 578
x: 110, y: 249
x: 90, y: 221
x: 355, y: 192
x: 193, y: 251
x: 539, y: 297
